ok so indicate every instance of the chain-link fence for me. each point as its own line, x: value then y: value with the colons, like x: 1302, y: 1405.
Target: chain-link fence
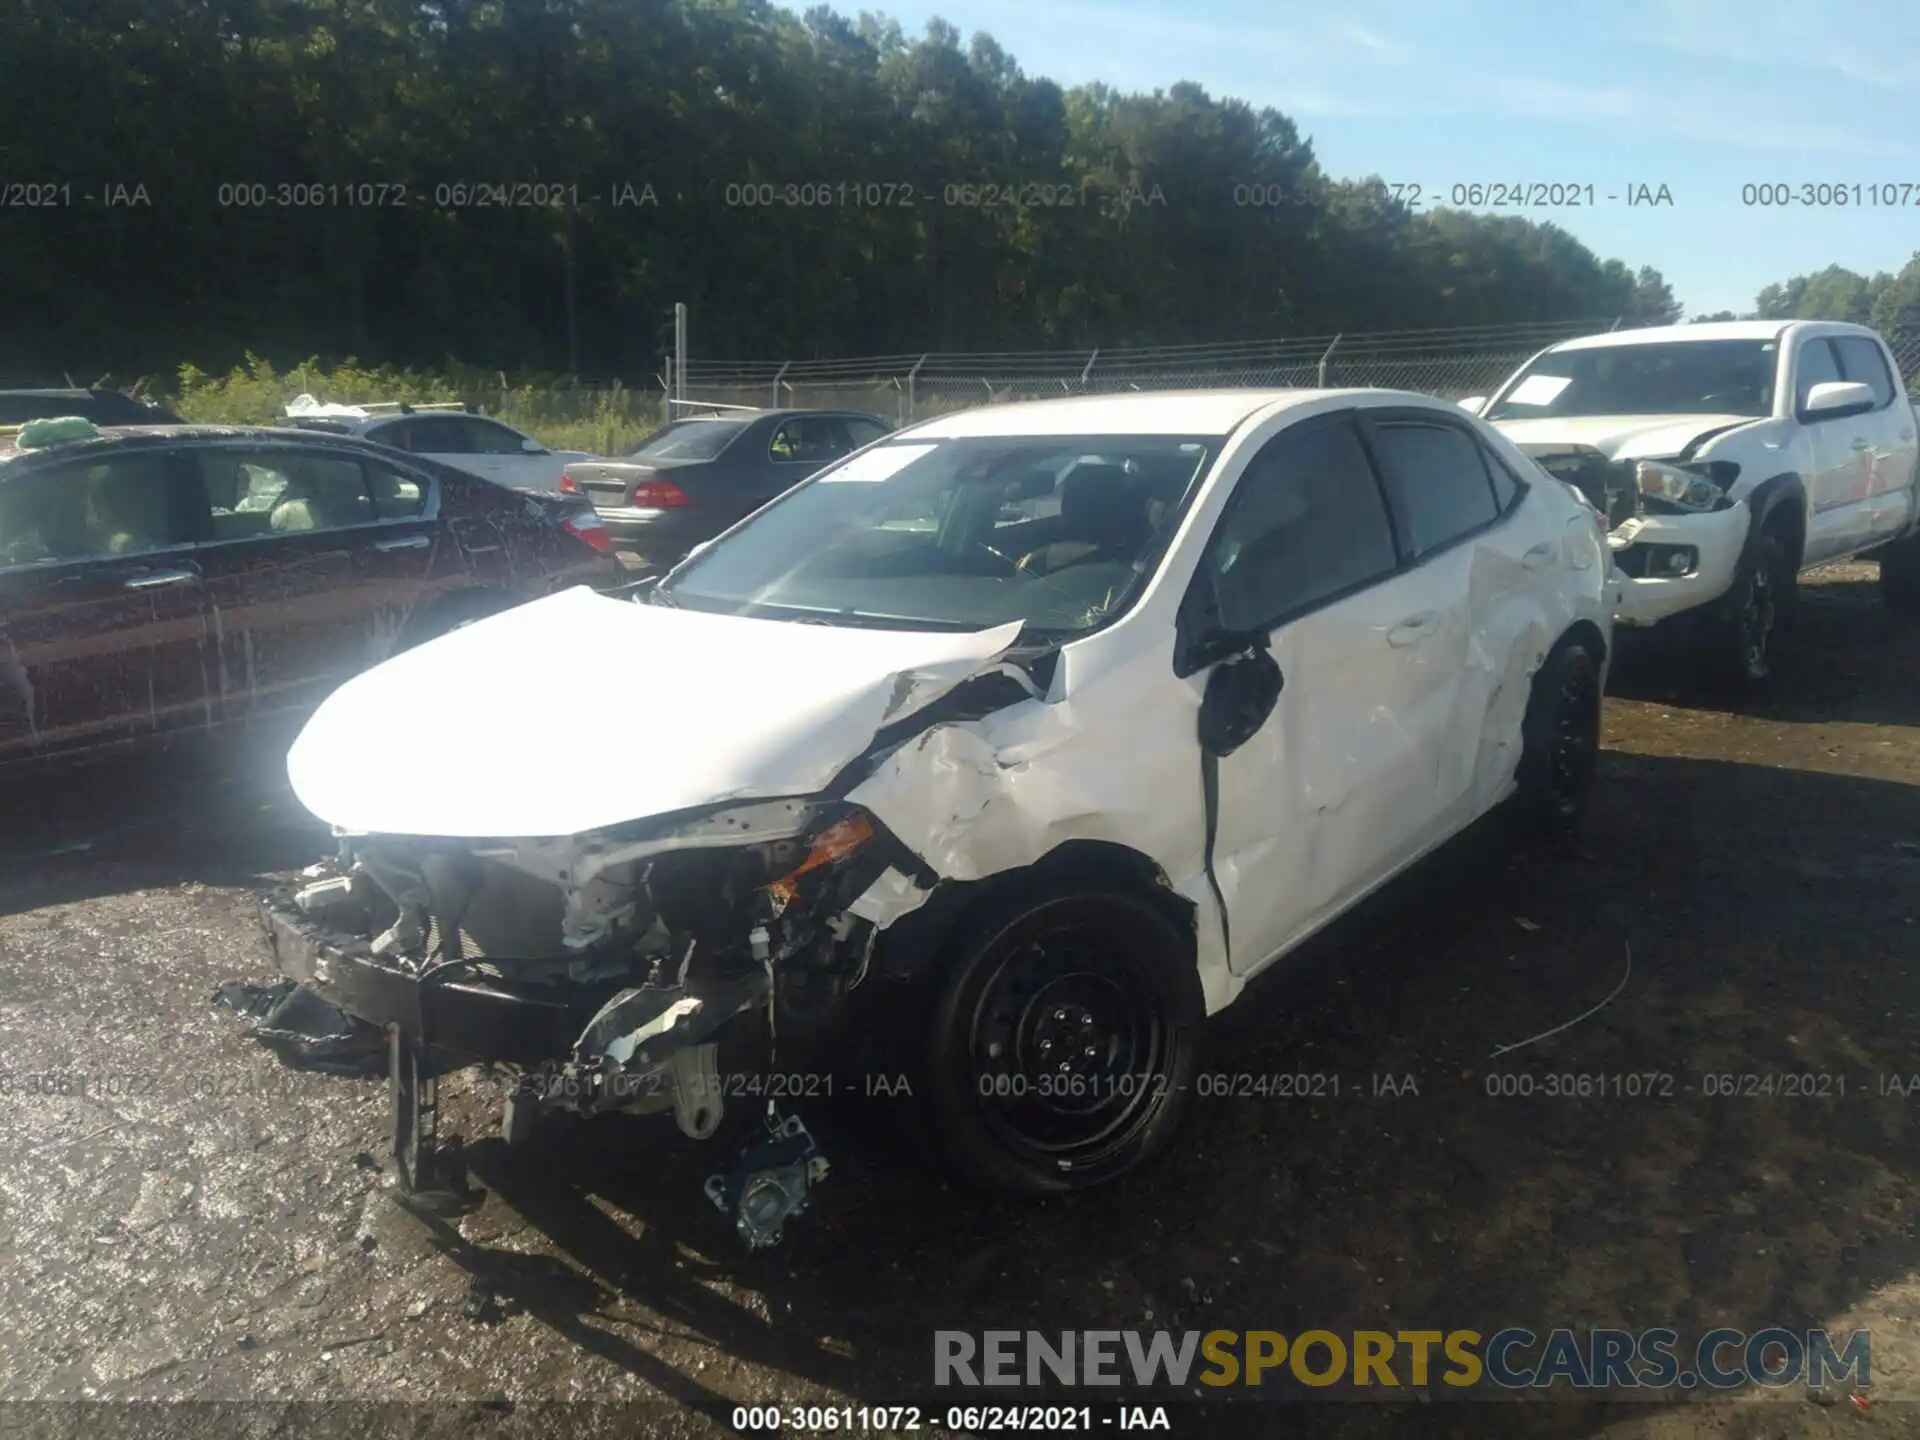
x: 904, y: 388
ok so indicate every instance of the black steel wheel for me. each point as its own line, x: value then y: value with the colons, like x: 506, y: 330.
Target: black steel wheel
x: 1560, y: 750
x: 1062, y: 1043
x: 1748, y: 617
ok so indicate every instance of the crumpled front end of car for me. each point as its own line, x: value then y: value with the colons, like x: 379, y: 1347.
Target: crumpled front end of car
x: 599, y: 972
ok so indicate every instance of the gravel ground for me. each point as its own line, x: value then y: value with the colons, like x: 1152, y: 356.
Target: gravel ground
x: 202, y: 1224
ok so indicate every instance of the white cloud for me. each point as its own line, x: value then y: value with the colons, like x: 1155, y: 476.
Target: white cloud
x: 1386, y: 49
x: 1746, y: 34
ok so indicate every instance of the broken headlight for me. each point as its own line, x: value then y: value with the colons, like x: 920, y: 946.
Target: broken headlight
x: 1675, y: 484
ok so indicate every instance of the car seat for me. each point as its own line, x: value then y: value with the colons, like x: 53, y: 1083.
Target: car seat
x: 1102, y: 516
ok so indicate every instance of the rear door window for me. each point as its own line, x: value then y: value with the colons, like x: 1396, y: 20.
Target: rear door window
x: 441, y: 435
x: 1438, y: 481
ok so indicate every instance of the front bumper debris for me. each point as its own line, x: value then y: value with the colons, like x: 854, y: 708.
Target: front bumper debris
x: 598, y: 977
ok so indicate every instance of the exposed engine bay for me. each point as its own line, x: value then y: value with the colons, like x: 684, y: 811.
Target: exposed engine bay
x: 601, y: 973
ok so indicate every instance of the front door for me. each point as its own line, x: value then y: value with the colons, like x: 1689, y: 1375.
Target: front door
x: 1339, y: 785
x: 1837, y: 488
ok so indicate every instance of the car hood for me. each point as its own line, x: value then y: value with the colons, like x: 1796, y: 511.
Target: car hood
x: 1621, y: 437
x: 578, y: 711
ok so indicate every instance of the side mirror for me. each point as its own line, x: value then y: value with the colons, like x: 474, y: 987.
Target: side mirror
x: 1474, y: 404
x: 1241, y: 693
x: 530, y: 446
x: 1834, y: 399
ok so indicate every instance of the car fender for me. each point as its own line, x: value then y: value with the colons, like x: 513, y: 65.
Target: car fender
x: 1766, y: 500
x: 974, y: 800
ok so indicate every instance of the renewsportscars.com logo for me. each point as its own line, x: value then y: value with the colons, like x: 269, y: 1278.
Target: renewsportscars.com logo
x: 1375, y: 1360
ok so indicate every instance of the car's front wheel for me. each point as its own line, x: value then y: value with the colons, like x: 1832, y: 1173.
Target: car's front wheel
x: 1560, y: 737
x: 1061, y: 1053
x: 1742, y: 628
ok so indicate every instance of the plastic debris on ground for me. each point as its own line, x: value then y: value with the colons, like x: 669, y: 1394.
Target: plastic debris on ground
x: 304, y: 1030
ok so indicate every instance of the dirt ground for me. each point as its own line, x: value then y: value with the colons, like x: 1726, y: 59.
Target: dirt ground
x: 203, y: 1224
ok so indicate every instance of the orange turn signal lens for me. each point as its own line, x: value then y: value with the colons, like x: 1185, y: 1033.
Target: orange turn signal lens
x: 831, y: 845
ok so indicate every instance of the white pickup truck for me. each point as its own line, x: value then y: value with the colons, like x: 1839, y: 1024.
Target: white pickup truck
x: 1728, y: 458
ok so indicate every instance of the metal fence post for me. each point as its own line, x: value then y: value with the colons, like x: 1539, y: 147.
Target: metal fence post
x: 680, y: 351
x: 1089, y: 370
x: 1614, y: 326
x: 913, y: 375
x: 1322, y: 375
x: 785, y: 365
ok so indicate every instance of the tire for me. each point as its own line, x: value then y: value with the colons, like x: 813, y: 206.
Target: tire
x: 1900, y: 577
x: 1080, y: 963
x: 1560, y: 739
x: 1745, y: 622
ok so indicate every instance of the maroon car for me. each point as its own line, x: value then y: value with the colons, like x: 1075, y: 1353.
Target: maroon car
x: 157, y: 580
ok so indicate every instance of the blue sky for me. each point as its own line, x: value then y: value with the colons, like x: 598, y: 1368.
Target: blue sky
x: 1703, y: 96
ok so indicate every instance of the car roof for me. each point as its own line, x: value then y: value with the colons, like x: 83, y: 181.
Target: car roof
x: 783, y: 412
x: 1673, y: 334
x: 1208, y: 413
x: 135, y: 437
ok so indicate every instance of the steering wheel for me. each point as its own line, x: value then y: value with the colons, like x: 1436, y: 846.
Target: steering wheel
x: 1008, y: 567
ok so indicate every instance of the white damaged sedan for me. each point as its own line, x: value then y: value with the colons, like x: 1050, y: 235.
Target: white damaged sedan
x: 1008, y: 749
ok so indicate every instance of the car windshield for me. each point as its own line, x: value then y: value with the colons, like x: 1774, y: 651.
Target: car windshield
x: 1679, y: 377
x: 689, y: 440
x: 960, y: 534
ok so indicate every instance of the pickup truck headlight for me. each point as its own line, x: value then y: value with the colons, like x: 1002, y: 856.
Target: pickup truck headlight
x: 1675, y: 485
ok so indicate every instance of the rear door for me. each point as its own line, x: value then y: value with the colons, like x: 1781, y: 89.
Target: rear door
x: 101, y: 627
x: 314, y: 559
x: 1451, y: 523
x: 1890, y: 451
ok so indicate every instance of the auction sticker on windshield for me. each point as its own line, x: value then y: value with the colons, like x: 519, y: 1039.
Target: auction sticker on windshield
x: 877, y: 464
x: 1538, y: 390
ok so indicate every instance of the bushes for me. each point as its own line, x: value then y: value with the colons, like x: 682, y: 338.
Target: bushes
x: 603, y: 419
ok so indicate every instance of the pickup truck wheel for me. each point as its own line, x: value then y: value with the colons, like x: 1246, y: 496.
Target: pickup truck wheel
x: 1560, y: 739
x: 1742, y: 628
x: 1057, y: 1058
x: 1900, y: 576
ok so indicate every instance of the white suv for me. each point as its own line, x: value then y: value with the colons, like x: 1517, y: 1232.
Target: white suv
x: 449, y: 434
x: 1729, y: 458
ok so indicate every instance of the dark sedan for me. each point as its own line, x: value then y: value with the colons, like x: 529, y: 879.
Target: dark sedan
x: 155, y: 581
x: 691, y: 480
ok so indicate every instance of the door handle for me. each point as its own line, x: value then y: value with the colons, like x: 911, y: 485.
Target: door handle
x: 1413, y: 629
x: 1863, y: 444
x: 405, y: 542
x: 153, y: 579
x: 1540, y: 556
